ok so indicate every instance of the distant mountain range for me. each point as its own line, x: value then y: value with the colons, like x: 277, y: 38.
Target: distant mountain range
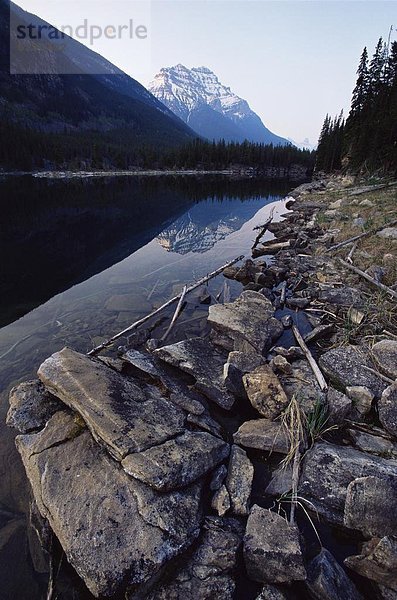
x: 305, y: 145
x: 210, y: 108
x: 108, y: 108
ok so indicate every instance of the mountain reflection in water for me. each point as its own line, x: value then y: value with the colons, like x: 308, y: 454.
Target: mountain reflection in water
x: 81, y: 260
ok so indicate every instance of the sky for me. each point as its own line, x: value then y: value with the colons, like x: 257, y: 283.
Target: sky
x: 293, y: 61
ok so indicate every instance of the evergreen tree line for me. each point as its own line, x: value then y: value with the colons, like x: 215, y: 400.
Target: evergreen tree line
x: 29, y: 149
x: 367, y: 141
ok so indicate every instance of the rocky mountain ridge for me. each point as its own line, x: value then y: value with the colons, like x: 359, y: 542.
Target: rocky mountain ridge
x: 212, y: 109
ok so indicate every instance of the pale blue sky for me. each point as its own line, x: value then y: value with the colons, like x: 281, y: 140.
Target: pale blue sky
x: 293, y: 61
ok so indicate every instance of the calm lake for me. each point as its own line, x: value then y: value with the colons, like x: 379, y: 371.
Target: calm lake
x: 80, y: 261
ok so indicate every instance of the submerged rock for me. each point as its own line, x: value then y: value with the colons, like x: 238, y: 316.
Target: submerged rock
x: 265, y: 392
x: 349, y: 366
x: 271, y: 548
x: 199, y: 358
x: 178, y: 462
x: 247, y: 324
x: 114, y: 530
x: 31, y: 406
x: 384, y: 354
x: 239, y: 481
x: 377, y: 561
x: 121, y: 415
x: 329, y: 469
x: 327, y: 580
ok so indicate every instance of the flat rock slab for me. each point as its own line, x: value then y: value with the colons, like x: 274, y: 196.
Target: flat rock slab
x: 384, y: 354
x: 205, y: 363
x: 120, y: 414
x: 271, y: 548
x: 179, y: 392
x: 248, y: 322
x: 263, y: 434
x: 178, y: 462
x: 114, y: 530
x: 348, y: 366
x: 329, y: 469
x: 371, y: 506
x: 31, y: 406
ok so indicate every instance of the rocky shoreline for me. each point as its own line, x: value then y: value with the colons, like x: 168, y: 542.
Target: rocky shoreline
x: 211, y: 468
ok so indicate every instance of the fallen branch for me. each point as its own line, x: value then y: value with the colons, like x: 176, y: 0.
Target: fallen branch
x: 263, y: 229
x: 315, y: 368
x: 352, y: 251
x: 381, y: 286
x: 270, y: 248
x: 137, y: 324
x: 177, y: 312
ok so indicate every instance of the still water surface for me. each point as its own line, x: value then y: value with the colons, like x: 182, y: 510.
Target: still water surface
x: 80, y: 261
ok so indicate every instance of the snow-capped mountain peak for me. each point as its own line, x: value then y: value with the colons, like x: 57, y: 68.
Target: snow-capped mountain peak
x: 212, y: 109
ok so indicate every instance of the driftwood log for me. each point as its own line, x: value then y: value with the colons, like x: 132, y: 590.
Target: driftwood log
x: 137, y: 324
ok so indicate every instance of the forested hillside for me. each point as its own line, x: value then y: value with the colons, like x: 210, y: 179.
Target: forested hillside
x: 367, y: 141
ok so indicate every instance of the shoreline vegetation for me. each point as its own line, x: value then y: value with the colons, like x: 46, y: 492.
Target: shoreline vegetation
x: 277, y: 427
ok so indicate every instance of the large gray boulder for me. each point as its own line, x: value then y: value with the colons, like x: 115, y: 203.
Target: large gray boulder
x: 247, y: 324
x: 120, y: 414
x: 31, y: 406
x: 204, y: 362
x: 377, y: 561
x: 265, y: 392
x: 371, y: 506
x: 208, y: 573
x: 384, y: 354
x: 329, y: 469
x: 387, y: 406
x: 349, y: 366
x: 178, y: 462
x: 271, y: 548
x: 114, y: 530
x: 327, y: 580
